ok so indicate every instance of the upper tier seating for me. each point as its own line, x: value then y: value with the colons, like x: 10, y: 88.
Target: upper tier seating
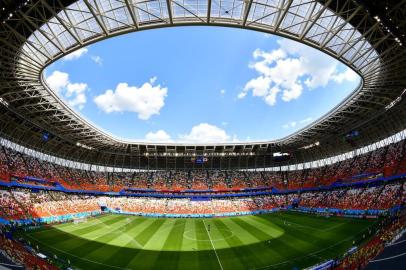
x: 385, y: 161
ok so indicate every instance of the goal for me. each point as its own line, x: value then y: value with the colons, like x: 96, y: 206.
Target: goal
x: 79, y: 220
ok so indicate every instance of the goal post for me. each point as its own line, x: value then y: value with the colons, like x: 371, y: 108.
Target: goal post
x: 79, y: 220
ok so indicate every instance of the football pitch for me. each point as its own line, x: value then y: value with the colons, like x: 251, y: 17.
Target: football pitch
x: 275, y: 241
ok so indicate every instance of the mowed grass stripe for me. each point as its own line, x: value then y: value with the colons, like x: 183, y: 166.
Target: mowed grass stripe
x: 126, y: 234
x: 93, y: 234
x: 97, y: 218
x: 114, y: 246
x: 106, y: 252
x: 270, y: 229
x: 312, y: 244
x: 189, y: 236
x: 78, y: 261
x: 157, y: 239
x: 302, y: 238
x: 70, y: 227
x: 131, y: 248
x: 206, y: 253
x: 230, y: 258
x: 69, y: 241
x: 311, y: 222
x: 91, y: 228
x: 251, y: 229
x: 120, y: 255
x: 145, y: 235
x: 319, y: 237
x: 145, y: 259
x: 286, y: 245
x: 309, y: 247
x: 78, y: 249
x: 83, y: 228
x: 189, y: 257
x: 175, y: 238
x: 101, y: 238
x: 169, y: 257
x: 245, y: 236
x: 259, y: 250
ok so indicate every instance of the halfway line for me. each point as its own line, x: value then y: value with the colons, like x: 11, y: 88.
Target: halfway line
x: 218, y: 259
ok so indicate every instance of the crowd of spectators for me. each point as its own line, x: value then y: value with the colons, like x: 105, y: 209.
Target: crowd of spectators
x: 368, y: 251
x: 24, y: 204
x: 238, y: 179
x: 199, y: 180
x: 20, y: 203
x: 385, y: 161
x: 217, y: 179
x: 187, y: 206
x: 10, y: 208
x: 17, y: 253
x: 255, y: 179
x: 376, y: 197
x: 46, y: 203
x: 17, y: 204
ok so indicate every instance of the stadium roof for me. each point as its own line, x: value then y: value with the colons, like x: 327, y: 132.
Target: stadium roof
x: 368, y: 37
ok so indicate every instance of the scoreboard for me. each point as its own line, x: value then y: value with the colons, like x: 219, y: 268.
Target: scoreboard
x: 199, y: 160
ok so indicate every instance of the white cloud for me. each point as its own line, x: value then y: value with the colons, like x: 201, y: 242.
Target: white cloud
x: 242, y: 95
x: 294, y: 124
x: 222, y: 91
x: 153, y: 80
x: 259, y: 86
x: 73, y: 93
x: 306, y: 120
x: 77, y: 94
x: 97, y: 59
x: 270, y: 99
x: 146, y: 100
x: 76, y: 54
x: 201, y: 133
x: 294, y: 92
x: 159, y: 136
x: 206, y: 133
x: 57, y: 81
x: 289, y: 70
x: 347, y: 75
x: 290, y: 125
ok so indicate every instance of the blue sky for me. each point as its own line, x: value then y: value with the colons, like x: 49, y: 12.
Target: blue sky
x: 200, y: 84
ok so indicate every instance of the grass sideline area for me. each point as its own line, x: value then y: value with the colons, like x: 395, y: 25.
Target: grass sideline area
x: 283, y: 240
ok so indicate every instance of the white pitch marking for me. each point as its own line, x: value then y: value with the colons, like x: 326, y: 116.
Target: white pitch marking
x: 80, y: 258
x: 218, y: 259
x: 388, y: 258
x: 13, y: 265
x: 395, y: 243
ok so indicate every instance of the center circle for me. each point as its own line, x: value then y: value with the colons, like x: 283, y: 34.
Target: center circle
x: 215, y: 235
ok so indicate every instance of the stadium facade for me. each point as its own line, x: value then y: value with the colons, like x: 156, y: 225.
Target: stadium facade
x: 368, y: 36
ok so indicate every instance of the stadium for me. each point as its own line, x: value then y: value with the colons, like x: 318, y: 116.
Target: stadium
x: 329, y: 195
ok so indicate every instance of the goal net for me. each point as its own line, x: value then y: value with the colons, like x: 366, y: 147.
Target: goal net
x: 79, y: 220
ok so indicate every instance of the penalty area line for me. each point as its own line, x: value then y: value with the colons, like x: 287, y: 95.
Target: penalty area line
x: 215, y: 251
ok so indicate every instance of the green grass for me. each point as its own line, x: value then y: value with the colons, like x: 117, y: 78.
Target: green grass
x: 274, y: 241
